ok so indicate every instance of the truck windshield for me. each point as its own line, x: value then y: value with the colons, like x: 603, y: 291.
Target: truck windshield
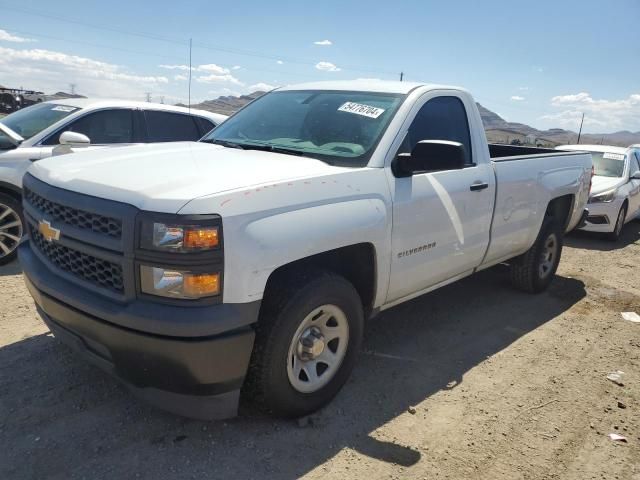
x: 608, y: 164
x: 338, y: 127
x: 32, y: 120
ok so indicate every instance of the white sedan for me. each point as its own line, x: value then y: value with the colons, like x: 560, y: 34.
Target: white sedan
x: 64, y: 126
x: 615, y: 193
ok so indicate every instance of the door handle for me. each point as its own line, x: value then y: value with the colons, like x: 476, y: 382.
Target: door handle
x: 476, y: 187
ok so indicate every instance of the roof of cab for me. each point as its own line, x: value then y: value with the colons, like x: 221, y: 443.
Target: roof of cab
x: 594, y: 148
x: 365, y: 85
x: 94, y: 103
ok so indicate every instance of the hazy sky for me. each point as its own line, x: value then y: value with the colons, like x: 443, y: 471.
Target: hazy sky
x: 541, y: 63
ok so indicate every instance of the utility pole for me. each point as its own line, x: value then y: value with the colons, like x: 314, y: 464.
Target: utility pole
x: 72, y: 86
x: 190, y: 48
x: 162, y: 99
x: 401, y: 75
x: 580, y: 131
x: 148, y: 94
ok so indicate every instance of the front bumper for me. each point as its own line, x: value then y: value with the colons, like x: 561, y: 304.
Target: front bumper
x: 194, y: 376
x: 602, y: 216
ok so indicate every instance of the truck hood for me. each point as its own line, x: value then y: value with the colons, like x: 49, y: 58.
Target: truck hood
x: 602, y: 184
x: 164, y: 177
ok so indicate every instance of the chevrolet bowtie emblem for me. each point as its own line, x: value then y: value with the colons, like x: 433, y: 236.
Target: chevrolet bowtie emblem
x: 48, y: 232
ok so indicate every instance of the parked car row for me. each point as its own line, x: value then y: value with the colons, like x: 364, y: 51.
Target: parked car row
x: 249, y: 261
x: 59, y: 127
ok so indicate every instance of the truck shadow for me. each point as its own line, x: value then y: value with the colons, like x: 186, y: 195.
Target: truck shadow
x: 12, y: 268
x: 64, y: 418
x: 597, y: 241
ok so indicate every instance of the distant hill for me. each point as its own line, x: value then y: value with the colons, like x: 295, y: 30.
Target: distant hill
x: 61, y: 95
x: 226, y: 105
x: 497, y: 128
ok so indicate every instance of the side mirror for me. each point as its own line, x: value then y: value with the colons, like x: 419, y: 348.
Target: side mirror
x: 74, y: 139
x: 429, y: 156
x: 636, y: 176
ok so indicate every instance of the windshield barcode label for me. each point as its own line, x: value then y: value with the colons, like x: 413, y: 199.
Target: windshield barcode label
x: 360, y: 109
x: 613, y: 156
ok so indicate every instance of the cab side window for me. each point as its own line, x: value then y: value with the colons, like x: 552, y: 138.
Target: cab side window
x: 103, y: 127
x: 204, y: 125
x: 171, y: 127
x: 441, y: 118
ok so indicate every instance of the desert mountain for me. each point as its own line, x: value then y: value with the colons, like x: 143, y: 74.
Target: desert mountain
x: 497, y: 128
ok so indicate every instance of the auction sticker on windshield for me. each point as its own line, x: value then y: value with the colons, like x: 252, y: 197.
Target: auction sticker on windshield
x: 360, y: 109
x: 63, y: 108
x: 614, y: 156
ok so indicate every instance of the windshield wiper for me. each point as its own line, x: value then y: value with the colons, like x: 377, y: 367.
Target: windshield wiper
x: 270, y: 148
x: 264, y: 147
x: 224, y: 143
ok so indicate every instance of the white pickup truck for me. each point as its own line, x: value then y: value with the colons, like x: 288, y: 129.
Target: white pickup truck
x: 250, y: 261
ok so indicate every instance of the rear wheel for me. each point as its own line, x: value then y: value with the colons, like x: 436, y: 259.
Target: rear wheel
x: 11, y: 227
x: 534, y: 270
x: 307, y: 340
x: 617, y: 229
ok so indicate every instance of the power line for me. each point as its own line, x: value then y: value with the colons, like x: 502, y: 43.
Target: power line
x: 98, y: 45
x: 151, y: 36
x: 175, y: 58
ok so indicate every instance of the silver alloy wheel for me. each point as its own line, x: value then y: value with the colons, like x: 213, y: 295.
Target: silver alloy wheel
x: 548, y: 256
x: 317, y: 349
x: 10, y: 230
x: 620, y: 222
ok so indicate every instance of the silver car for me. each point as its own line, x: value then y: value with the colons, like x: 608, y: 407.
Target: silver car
x: 615, y: 193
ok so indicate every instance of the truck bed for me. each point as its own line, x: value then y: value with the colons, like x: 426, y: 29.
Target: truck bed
x: 500, y: 152
x: 526, y: 180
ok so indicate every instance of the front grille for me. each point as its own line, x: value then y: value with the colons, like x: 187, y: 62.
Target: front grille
x: 82, y: 219
x: 87, y: 267
x: 598, y: 219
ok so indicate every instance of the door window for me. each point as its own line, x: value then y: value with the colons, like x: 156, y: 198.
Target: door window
x: 171, y: 127
x: 441, y: 118
x: 102, y: 127
x: 205, y: 125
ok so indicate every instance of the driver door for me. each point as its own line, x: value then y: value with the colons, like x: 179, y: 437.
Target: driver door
x: 441, y: 219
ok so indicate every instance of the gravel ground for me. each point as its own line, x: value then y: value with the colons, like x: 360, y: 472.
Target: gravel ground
x: 475, y: 380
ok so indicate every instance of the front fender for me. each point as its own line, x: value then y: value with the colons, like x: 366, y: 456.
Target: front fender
x: 255, y: 248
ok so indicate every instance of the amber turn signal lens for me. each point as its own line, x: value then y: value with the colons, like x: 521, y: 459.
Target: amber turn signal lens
x: 198, y: 285
x: 201, y: 238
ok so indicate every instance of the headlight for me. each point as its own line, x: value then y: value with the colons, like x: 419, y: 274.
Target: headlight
x: 179, y: 237
x: 173, y: 283
x: 603, y: 197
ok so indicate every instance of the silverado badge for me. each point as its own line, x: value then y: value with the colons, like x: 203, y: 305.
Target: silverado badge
x: 48, y: 232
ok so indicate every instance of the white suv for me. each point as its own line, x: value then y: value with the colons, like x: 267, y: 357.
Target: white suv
x: 62, y: 126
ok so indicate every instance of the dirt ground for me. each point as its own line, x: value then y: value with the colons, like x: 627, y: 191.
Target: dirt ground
x: 473, y: 381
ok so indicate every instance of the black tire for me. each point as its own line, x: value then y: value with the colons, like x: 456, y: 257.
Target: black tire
x: 528, y: 272
x: 283, y: 311
x: 12, y: 210
x: 617, y: 229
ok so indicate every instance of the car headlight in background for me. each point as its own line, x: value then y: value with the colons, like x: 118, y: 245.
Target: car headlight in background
x: 603, y: 197
x: 175, y: 283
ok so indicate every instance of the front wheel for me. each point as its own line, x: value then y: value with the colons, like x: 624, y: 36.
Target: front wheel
x: 11, y: 228
x: 534, y: 270
x: 307, y: 341
x: 617, y: 229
